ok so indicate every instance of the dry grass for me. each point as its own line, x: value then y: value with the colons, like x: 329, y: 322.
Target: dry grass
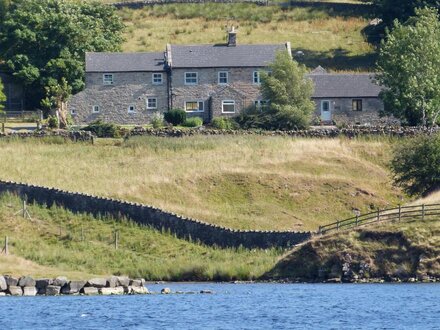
x: 269, y: 183
x: 433, y: 198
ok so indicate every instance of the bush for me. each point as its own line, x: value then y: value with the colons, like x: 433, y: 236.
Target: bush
x: 416, y: 165
x: 52, y: 122
x: 157, y: 120
x: 175, y: 116
x: 224, y: 123
x: 105, y: 130
x: 193, y: 122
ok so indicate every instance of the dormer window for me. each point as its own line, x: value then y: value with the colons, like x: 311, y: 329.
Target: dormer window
x: 157, y: 79
x: 107, y: 79
x: 223, y: 77
x: 191, y: 78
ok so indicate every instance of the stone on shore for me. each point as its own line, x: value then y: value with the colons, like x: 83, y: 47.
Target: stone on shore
x: 111, y: 291
x: 135, y: 283
x: 29, y: 291
x: 11, y: 281
x: 137, y: 290
x: 53, y: 290
x: 60, y: 281
x: 123, y: 281
x: 41, y: 285
x: 165, y: 291
x: 3, y: 284
x: 97, y: 282
x: 15, y: 290
x: 112, y: 282
x: 73, y: 287
x: 26, y: 281
x: 89, y: 291
x: 2, y: 294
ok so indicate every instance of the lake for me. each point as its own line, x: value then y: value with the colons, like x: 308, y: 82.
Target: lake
x: 235, y: 306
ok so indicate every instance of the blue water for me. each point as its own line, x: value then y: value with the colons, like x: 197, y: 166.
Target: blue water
x: 236, y: 306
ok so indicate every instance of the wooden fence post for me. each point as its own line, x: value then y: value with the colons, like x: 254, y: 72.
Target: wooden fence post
x: 24, y: 208
x: 82, y: 233
x: 320, y: 230
x: 337, y: 225
x: 357, y: 220
x: 6, y: 248
x: 116, y: 239
x: 400, y: 212
x: 378, y: 215
x: 423, y: 212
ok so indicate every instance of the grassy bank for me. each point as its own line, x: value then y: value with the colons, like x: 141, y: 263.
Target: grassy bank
x: 398, y: 251
x: 56, y: 242
x: 243, y: 182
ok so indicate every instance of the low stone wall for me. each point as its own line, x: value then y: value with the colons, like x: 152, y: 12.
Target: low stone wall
x: 67, y: 135
x: 349, y: 132
x: 184, y: 228
x: 145, y: 3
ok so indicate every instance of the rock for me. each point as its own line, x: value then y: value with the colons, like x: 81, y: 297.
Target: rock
x: 3, y: 284
x: 73, y: 287
x: 123, y: 281
x: 412, y: 280
x: 2, y: 294
x: 97, y: 282
x: 111, y: 291
x: 60, y: 281
x: 15, y: 290
x: 11, y: 281
x: 112, y: 282
x: 41, y: 285
x: 89, y: 290
x: 26, y: 281
x: 137, y: 290
x: 334, y: 280
x: 53, y: 290
x: 29, y: 291
x: 165, y: 291
x: 206, y: 291
x: 135, y: 283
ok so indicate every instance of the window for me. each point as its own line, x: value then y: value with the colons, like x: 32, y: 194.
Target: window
x: 223, y: 77
x: 256, y: 77
x: 151, y: 103
x: 95, y: 109
x: 228, y: 106
x: 157, y: 79
x: 191, y: 78
x: 72, y: 112
x: 261, y: 104
x: 325, y: 105
x: 107, y: 79
x: 357, y: 105
x: 131, y: 109
x: 194, y: 106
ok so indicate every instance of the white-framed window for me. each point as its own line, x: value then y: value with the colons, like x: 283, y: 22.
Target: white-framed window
x: 157, y: 78
x: 107, y: 79
x: 72, y: 112
x: 96, y: 109
x: 356, y: 104
x: 256, y: 77
x: 194, y: 106
x: 228, y: 106
x: 261, y: 104
x: 131, y: 108
x: 223, y: 77
x: 152, y: 103
x: 191, y: 78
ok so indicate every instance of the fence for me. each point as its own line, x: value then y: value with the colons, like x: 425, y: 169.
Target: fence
x: 30, y: 116
x: 398, y: 214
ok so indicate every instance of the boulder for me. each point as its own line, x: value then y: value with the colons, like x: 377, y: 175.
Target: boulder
x: 60, y: 281
x: 165, y: 291
x: 111, y: 291
x: 135, y: 283
x: 53, y: 290
x: 2, y: 294
x: 73, y: 287
x: 137, y: 290
x: 26, y: 281
x: 11, y: 281
x: 112, y: 282
x: 123, y: 281
x: 15, y: 290
x: 3, y: 284
x: 29, y: 291
x: 41, y: 285
x: 89, y: 290
x: 97, y: 282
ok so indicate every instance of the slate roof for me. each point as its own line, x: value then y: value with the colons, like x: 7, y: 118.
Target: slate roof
x: 124, y: 62
x: 345, y: 85
x: 218, y: 56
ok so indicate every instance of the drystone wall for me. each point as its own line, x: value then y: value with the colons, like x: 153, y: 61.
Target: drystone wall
x: 67, y: 135
x: 184, y: 228
x: 145, y: 3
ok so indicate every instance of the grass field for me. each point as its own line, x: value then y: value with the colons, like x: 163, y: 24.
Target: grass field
x: 56, y: 242
x: 243, y: 182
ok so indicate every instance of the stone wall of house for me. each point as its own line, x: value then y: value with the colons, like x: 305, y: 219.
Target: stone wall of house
x: 184, y: 228
x: 129, y: 89
x: 342, y: 112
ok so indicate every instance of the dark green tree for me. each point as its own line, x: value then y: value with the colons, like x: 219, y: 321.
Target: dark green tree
x: 42, y: 41
x: 416, y: 164
x: 409, y: 69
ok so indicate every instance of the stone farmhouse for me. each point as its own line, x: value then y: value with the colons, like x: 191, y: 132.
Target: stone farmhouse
x: 207, y: 81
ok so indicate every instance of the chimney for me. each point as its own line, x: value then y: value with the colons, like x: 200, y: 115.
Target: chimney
x: 232, y: 37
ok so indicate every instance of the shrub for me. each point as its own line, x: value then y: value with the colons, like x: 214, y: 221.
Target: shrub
x: 224, y: 123
x: 416, y: 164
x: 193, y: 122
x: 52, y: 122
x: 157, y: 120
x: 175, y: 116
x: 105, y: 130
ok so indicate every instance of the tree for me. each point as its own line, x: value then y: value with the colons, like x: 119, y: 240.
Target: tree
x: 2, y: 97
x: 416, y: 164
x: 42, y: 41
x: 409, y: 69
x: 57, y: 96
